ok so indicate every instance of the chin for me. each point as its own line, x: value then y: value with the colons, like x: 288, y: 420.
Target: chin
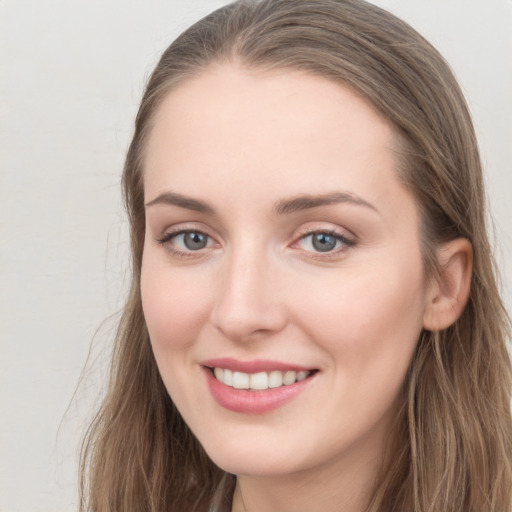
x: 253, y: 465
x: 256, y: 459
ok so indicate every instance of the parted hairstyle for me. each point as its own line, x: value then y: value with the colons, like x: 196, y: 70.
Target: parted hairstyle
x: 452, y: 449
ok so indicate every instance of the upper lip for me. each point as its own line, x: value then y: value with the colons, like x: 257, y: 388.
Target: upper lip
x: 254, y: 366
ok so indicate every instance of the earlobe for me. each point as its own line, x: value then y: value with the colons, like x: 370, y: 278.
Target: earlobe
x: 449, y: 293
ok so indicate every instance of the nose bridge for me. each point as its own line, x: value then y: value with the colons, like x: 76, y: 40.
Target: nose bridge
x: 246, y: 302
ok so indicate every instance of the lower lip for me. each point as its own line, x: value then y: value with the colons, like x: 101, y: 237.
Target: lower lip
x: 253, y: 402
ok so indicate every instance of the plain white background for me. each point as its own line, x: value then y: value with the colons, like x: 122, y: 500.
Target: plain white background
x: 72, y: 73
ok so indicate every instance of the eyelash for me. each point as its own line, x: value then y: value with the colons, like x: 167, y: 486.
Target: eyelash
x: 346, y: 243
x: 167, y: 237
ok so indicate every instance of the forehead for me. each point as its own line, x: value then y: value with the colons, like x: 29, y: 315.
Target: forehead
x: 242, y: 128
x: 223, y: 94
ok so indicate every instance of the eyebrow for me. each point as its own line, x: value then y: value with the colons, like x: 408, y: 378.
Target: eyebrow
x: 283, y: 207
x: 173, y: 199
x: 306, y: 202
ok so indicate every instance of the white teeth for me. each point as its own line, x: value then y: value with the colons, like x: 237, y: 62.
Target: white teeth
x: 300, y: 375
x: 275, y: 379
x: 289, y: 378
x: 219, y: 374
x: 228, y: 378
x: 259, y: 381
x: 240, y: 380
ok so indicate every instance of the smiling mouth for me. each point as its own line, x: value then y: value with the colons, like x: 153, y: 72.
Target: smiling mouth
x: 259, y: 381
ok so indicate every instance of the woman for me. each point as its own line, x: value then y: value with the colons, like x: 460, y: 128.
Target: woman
x: 313, y: 322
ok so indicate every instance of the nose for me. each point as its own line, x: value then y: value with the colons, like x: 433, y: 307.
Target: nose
x: 247, y: 304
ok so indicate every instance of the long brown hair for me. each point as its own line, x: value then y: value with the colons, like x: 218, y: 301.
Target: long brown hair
x: 453, y: 447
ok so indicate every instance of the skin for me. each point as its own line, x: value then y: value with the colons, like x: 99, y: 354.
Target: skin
x: 242, y: 141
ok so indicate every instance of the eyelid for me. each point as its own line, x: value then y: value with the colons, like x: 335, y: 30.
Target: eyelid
x: 169, y: 234
x: 170, y: 230
x: 347, y: 239
x: 325, y: 227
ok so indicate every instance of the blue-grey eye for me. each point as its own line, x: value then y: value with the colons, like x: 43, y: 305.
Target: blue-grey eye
x: 323, y: 242
x: 194, y: 240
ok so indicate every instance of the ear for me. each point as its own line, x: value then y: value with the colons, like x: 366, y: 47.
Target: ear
x: 449, y: 292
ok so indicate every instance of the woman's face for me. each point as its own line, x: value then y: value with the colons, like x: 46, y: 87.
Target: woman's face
x: 281, y: 253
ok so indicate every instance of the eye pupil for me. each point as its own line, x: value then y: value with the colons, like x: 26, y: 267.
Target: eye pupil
x: 324, y: 242
x: 195, y: 241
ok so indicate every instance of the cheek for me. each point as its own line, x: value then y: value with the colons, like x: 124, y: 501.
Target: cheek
x: 368, y: 325
x: 368, y: 320
x: 175, y: 305
x: 174, y: 309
